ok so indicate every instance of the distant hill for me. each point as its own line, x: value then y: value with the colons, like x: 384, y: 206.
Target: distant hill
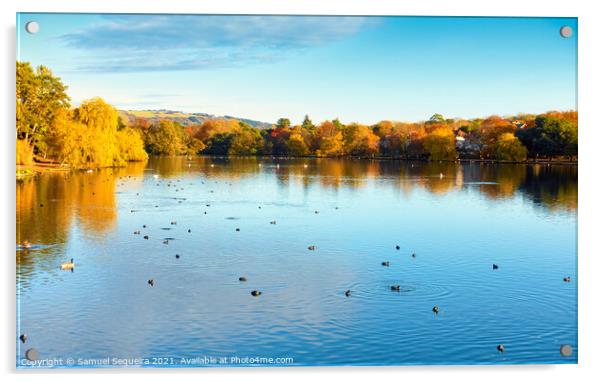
x: 185, y: 119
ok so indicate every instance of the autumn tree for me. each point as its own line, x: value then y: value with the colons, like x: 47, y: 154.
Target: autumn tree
x: 509, y: 148
x: 490, y: 130
x: 441, y: 145
x: 164, y: 138
x: 329, y: 136
x: 360, y: 140
x: 39, y: 95
x: 88, y: 137
x: 246, y: 141
x: 131, y: 145
x: 296, y: 144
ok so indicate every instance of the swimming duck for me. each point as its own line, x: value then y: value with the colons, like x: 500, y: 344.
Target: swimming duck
x: 495, y: 266
x: 146, y: 237
x: 255, y: 293
x: 136, y: 232
x: 312, y: 247
x: 436, y: 309
x: 273, y: 222
x: 174, y: 222
x: 144, y: 226
x: 413, y: 254
x: 23, y: 337
x: 501, y: 348
x: 189, y: 230
x: 242, y: 278
x: 396, y: 288
x: 316, y: 212
x: 68, y: 265
x: 397, y: 247
x: 348, y: 293
x: 566, y: 279
x: 385, y: 263
x: 151, y: 282
x: 238, y: 230
x: 165, y: 241
x: 177, y: 256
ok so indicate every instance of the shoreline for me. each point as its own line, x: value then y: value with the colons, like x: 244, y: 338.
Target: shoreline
x: 38, y: 168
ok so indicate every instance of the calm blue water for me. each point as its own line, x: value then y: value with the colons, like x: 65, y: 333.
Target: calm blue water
x: 458, y: 219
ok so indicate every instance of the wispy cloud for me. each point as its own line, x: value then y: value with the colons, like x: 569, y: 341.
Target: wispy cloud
x: 132, y: 43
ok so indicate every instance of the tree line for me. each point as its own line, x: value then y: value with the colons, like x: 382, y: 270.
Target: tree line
x: 514, y: 139
x: 93, y: 134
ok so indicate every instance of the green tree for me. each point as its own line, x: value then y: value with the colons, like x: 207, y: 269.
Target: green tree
x: 550, y: 136
x: 437, y: 118
x: 283, y: 123
x: 308, y: 124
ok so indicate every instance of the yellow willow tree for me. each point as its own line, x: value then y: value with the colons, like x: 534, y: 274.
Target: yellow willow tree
x: 100, y: 120
x: 68, y: 139
x: 87, y: 137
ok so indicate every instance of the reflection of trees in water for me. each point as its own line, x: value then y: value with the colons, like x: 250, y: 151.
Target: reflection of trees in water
x: 552, y: 186
x: 549, y: 186
x: 43, y: 218
x: 508, y: 179
x: 47, y: 206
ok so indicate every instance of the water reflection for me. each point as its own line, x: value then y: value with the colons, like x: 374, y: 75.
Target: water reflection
x: 550, y: 186
x: 47, y: 205
x: 457, y: 217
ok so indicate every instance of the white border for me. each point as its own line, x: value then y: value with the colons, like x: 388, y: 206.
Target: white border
x: 590, y: 251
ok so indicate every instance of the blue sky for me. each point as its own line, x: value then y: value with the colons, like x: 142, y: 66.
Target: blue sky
x: 362, y: 69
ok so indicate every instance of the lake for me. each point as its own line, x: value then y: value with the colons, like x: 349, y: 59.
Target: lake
x: 217, y: 215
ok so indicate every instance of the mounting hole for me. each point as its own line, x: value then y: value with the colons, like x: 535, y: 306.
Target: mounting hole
x: 566, y: 31
x: 32, y: 27
x: 566, y: 350
x: 31, y: 354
